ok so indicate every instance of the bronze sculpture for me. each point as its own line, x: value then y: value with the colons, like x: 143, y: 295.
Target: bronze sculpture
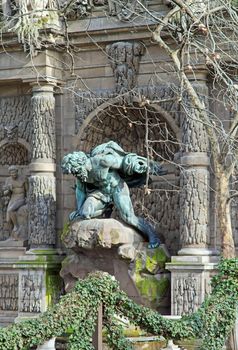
x: 103, y: 179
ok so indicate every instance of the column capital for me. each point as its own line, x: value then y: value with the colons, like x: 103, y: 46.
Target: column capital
x: 43, y: 86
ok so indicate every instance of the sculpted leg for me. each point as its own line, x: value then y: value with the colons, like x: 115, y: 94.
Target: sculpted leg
x: 92, y: 208
x: 122, y: 201
x: 12, y: 218
x: 12, y: 212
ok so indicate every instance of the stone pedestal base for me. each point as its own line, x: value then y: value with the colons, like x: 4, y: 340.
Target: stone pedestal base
x: 190, y: 281
x: 111, y: 246
x: 29, y: 281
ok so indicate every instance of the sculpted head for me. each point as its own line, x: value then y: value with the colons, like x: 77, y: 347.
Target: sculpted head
x: 13, y: 171
x: 75, y: 164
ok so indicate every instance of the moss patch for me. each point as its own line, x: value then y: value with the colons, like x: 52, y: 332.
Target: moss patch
x: 65, y: 231
x: 152, y: 289
x: 53, y: 288
x: 155, y: 259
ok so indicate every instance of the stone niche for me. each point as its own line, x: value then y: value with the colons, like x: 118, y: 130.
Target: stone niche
x: 112, y: 246
x: 15, y: 139
x: 109, y: 245
x: 127, y: 126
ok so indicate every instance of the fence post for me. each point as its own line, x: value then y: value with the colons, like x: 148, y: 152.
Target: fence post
x: 97, y: 337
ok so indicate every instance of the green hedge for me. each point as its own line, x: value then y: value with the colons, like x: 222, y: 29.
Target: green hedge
x: 76, y: 314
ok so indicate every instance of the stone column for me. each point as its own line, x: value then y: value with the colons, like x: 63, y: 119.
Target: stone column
x: 39, y: 281
x: 42, y: 182
x: 195, y: 177
x: 192, y: 269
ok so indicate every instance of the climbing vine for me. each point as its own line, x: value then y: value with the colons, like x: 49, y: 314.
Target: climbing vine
x: 76, y: 315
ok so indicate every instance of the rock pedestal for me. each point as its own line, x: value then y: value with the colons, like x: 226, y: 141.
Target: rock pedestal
x: 109, y: 245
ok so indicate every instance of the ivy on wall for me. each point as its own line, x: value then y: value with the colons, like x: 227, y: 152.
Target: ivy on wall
x: 76, y: 315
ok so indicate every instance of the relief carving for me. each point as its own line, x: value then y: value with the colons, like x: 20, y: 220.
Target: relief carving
x: 194, y: 134
x: 8, y: 292
x: 11, y: 133
x: 86, y: 102
x: 125, y: 10
x: 194, y: 218
x: 77, y: 9
x: 125, y: 58
x: 14, y: 154
x: 31, y: 292
x: 15, y: 188
x: 43, y: 126
x: 13, y: 7
x: 42, y: 210
x: 15, y: 115
x: 186, y: 294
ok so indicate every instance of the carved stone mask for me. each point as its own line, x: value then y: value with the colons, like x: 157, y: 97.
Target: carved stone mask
x: 11, y: 133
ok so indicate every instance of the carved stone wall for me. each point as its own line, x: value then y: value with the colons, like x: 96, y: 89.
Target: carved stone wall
x: 8, y: 292
x: 124, y: 10
x: 190, y: 281
x: 16, y: 111
x: 193, y: 202
x: 14, y: 154
x: 15, y: 134
x: 194, y: 137
x: 86, y: 102
x: 160, y: 208
x: 127, y: 127
x: 125, y: 58
x: 31, y: 285
x: 186, y: 296
x: 42, y: 210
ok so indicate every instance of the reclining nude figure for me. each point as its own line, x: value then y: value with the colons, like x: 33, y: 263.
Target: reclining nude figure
x: 103, y: 179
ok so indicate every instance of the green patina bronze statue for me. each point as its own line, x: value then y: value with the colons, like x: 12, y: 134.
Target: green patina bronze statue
x: 103, y: 180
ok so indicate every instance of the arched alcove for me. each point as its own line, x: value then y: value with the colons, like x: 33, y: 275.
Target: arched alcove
x: 11, y: 153
x: 14, y: 154
x: 145, y: 131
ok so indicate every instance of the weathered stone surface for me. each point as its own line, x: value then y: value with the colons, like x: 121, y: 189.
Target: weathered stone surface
x: 42, y: 209
x: 149, y: 275
x: 104, y: 233
x: 109, y: 245
x: 190, y: 281
x: 21, y: 234
x: 15, y: 111
x: 125, y: 59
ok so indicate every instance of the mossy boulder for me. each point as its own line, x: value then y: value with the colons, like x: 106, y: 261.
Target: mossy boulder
x: 150, y: 277
x: 151, y: 261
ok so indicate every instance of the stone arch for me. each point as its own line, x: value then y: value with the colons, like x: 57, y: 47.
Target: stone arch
x: 113, y: 102
x: 127, y: 126
x: 14, y: 153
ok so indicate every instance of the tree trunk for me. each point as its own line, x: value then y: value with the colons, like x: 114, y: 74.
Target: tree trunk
x: 224, y: 215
